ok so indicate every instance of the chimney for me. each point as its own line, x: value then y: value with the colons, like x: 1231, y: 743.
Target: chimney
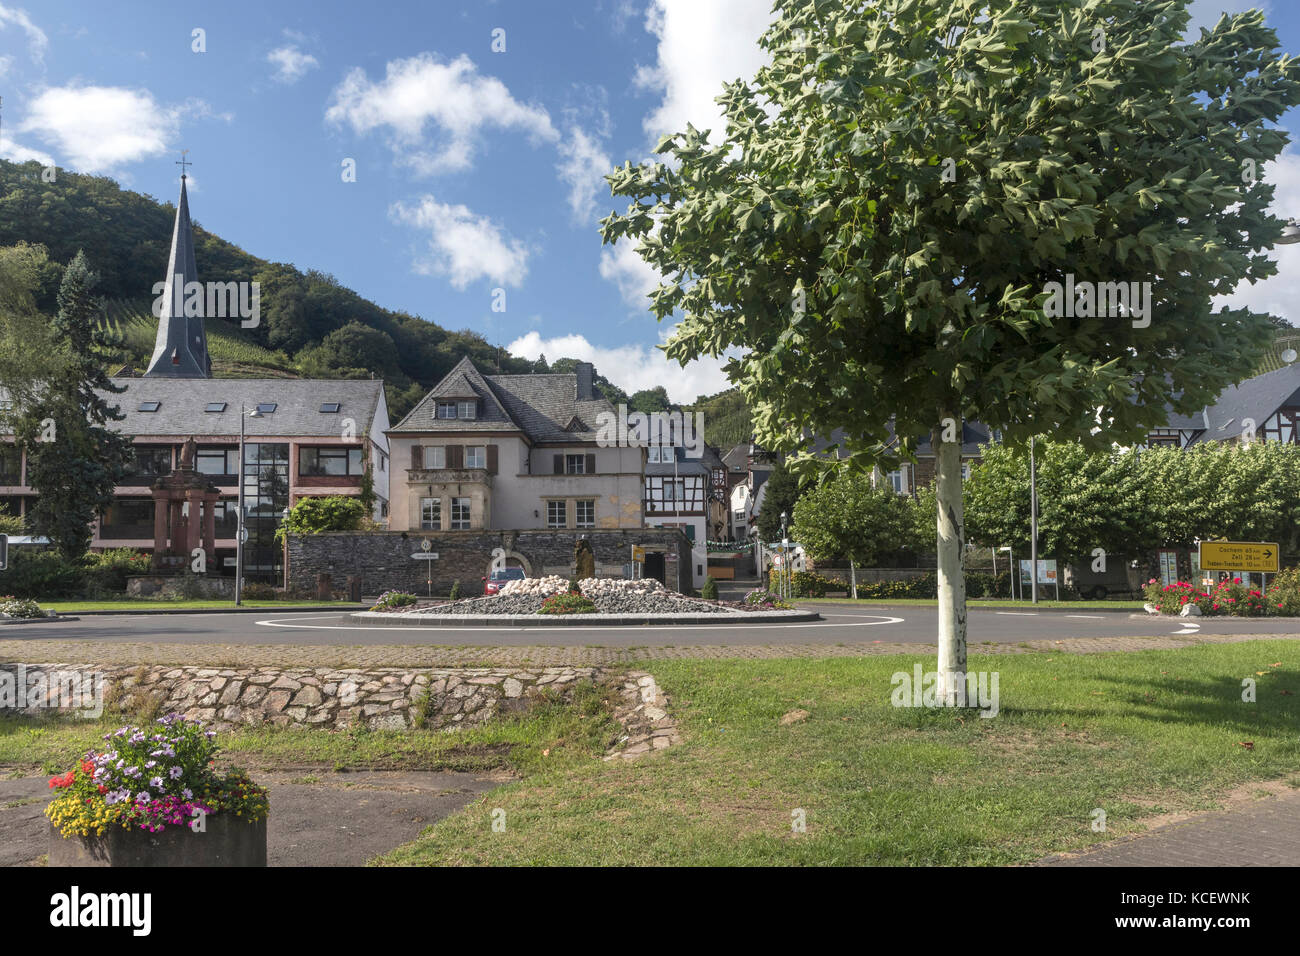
x: 586, y: 374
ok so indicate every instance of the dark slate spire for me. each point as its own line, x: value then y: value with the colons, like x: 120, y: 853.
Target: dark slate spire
x: 181, y: 349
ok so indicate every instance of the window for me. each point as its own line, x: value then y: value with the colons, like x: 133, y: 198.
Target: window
x: 430, y: 514
x: 446, y: 410
x: 329, y: 408
x: 330, y: 461
x: 383, y: 462
x: 895, y: 479
x: 217, y: 461
x: 266, y: 408
x: 557, y: 514
x: 575, y: 464
x: 475, y: 456
x: 467, y: 409
x: 586, y: 514
x: 215, y: 407
x: 652, y: 454
x: 965, y: 470
x: 459, y: 514
x: 435, y: 456
x: 11, y: 466
x: 148, y: 406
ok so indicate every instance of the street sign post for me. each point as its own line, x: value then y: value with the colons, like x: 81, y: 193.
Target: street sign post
x: 1240, y: 556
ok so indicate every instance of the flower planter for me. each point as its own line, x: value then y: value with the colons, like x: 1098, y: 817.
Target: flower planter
x: 227, y: 841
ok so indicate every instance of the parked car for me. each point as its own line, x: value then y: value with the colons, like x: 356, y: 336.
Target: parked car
x: 493, y: 583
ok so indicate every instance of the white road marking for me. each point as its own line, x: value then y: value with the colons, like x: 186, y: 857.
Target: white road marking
x: 630, y: 628
x: 1087, y: 617
x: 1018, y: 613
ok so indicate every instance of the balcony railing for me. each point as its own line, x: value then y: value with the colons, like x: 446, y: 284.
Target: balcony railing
x: 443, y: 476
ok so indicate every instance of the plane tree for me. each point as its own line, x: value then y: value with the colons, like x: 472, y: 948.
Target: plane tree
x: 874, y: 231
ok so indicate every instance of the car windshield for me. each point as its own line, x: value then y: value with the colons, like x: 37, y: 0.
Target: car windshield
x: 509, y: 574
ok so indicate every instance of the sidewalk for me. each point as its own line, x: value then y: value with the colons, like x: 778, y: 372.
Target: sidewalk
x: 1266, y: 833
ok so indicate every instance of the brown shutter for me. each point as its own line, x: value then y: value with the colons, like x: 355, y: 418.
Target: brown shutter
x: 591, y: 464
x: 417, y: 456
x: 492, y: 459
x: 455, y: 456
x: 559, y: 464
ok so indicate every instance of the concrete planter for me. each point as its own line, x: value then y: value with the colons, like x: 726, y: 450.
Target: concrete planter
x: 228, y: 841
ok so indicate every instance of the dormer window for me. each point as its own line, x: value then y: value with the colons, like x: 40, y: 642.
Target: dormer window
x: 467, y: 409
x: 266, y: 408
x: 149, y: 406
x: 460, y: 408
x: 446, y: 410
x: 215, y: 407
x: 330, y: 408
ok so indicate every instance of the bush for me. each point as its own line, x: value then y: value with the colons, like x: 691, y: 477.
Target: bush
x: 1228, y: 598
x: 258, y: 591
x: 20, y: 607
x: 42, y: 574
x: 455, y: 590
x: 571, y: 603
x: 396, y: 599
x: 1284, y: 593
x: 767, y: 599
x: 108, y: 570
x: 318, y: 515
x: 710, y: 590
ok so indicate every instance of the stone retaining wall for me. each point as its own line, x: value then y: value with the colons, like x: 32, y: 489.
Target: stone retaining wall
x: 224, y: 698
x: 383, y: 559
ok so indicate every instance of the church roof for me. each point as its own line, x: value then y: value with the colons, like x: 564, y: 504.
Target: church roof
x: 181, y: 348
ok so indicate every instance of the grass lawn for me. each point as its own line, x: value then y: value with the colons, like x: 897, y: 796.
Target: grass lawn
x: 127, y: 604
x: 1135, y: 734
x: 975, y: 602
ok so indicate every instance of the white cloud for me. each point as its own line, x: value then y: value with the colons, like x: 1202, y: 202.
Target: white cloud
x: 37, y: 41
x: 635, y: 278
x: 631, y: 367
x: 18, y: 153
x: 1280, y: 293
x: 701, y: 46
x: 454, y: 97
x: 290, y: 63
x: 462, y: 246
x: 6, y: 63
x: 99, y: 128
x: 583, y: 166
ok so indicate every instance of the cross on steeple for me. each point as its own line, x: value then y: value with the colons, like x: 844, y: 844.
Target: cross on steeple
x: 182, y: 163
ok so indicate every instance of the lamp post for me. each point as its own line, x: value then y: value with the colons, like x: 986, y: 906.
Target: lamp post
x: 1290, y: 233
x: 1011, y: 560
x: 785, y: 556
x: 284, y: 523
x: 240, y: 530
x: 1033, y: 524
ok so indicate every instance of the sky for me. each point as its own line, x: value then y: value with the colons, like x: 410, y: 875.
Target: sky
x: 479, y: 133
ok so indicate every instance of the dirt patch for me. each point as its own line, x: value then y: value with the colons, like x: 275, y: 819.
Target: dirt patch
x: 1247, y: 794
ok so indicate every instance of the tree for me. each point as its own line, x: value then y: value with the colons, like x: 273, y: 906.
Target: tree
x: 74, y: 461
x: 318, y: 515
x: 650, y: 400
x: 25, y: 352
x: 847, y: 517
x: 780, y: 493
x: 876, y: 229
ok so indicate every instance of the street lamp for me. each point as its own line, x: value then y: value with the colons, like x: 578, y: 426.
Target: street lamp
x: 240, y: 531
x: 785, y: 554
x: 1011, y: 559
x: 1033, y: 524
x: 1290, y: 233
x: 284, y: 524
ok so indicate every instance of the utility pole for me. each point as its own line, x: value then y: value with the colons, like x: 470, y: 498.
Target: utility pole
x: 1033, y: 524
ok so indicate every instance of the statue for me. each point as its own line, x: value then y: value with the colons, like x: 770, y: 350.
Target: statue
x: 188, y: 451
x: 584, y: 560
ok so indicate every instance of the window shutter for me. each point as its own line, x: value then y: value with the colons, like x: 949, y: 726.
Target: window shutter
x: 591, y: 464
x: 559, y: 464
x: 455, y: 456
x: 417, y: 456
x: 492, y: 459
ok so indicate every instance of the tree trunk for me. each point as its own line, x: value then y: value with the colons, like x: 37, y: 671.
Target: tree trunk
x: 950, y: 690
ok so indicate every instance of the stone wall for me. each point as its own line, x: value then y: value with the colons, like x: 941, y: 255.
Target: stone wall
x: 223, y: 698
x: 383, y: 559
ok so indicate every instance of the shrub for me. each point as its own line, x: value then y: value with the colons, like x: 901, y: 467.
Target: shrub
x: 1284, y: 593
x: 1228, y: 598
x: 20, y: 607
x: 571, y: 603
x: 395, y: 599
x: 258, y: 591
x: 710, y: 590
x: 108, y: 570
x: 318, y: 515
x: 455, y: 590
x: 764, y: 598
x: 42, y: 574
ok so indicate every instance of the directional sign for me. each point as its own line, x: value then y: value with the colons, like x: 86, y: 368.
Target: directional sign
x: 4, y: 551
x: 425, y: 556
x: 638, y: 554
x: 1239, y: 556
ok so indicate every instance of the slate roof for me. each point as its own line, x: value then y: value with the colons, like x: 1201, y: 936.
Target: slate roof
x: 1257, y: 398
x: 542, y: 407
x: 298, y: 402
x: 181, y: 347
x: 737, y: 457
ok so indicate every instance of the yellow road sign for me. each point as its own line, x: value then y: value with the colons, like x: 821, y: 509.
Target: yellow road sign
x: 1239, y: 556
x: 638, y: 553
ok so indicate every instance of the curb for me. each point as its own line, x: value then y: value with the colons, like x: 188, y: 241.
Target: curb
x: 37, y: 620
x: 218, y: 610
x: 578, y: 620
x: 969, y: 607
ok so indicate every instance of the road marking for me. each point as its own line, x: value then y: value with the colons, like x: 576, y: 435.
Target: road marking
x: 1087, y: 617
x: 1018, y: 613
x: 630, y: 628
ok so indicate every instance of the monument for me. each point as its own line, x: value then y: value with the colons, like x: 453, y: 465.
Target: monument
x: 178, y: 532
x: 584, y: 560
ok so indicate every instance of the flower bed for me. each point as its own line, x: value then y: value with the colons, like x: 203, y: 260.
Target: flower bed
x: 394, y: 599
x: 150, y: 782
x: 572, y: 602
x: 23, y: 608
x: 766, y: 600
x: 1227, y: 598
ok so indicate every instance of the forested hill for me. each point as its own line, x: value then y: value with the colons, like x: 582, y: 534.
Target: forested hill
x: 311, y: 325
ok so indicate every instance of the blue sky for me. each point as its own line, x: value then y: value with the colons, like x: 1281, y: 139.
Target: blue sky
x: 475, y: 169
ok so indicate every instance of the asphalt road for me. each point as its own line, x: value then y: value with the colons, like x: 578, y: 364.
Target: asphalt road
x: 840, y: 624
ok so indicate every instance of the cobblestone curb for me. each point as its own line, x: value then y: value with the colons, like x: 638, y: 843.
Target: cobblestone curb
x: 643, y: 712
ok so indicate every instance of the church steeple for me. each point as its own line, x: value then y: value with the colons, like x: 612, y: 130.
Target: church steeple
x: 181, y: 349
